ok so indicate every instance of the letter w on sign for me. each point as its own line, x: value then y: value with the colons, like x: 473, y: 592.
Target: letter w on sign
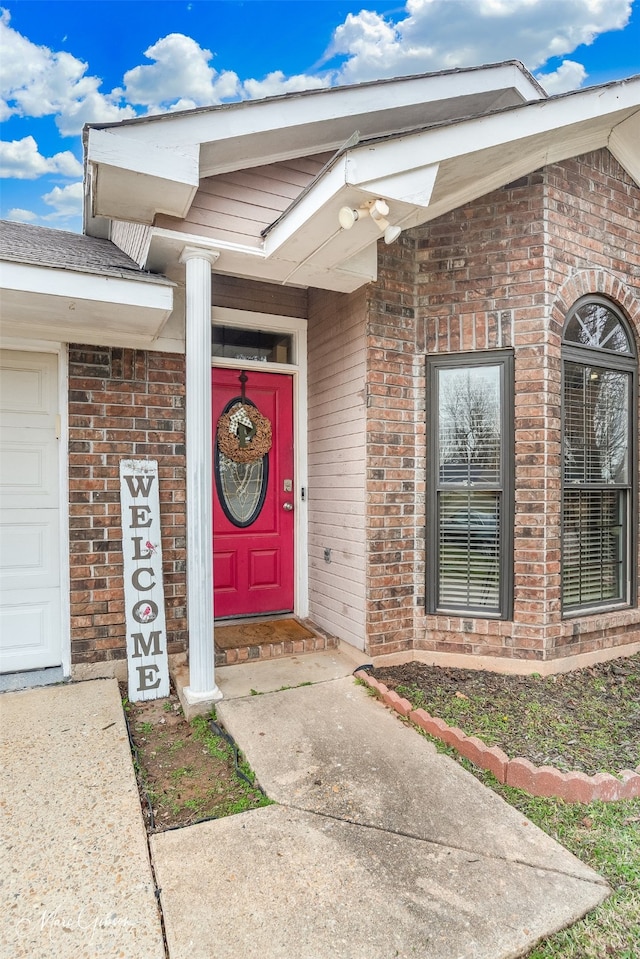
x: 147, y: 661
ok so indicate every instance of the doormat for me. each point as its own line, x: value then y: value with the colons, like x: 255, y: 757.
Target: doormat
x: 258, y: 634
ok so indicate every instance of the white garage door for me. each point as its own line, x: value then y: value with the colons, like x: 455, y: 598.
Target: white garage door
x: 30, y: 626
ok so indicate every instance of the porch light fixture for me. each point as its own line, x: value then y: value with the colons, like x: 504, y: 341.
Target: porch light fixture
x: 391, y: 234
x: 378, y: 210
x: 347, y: 217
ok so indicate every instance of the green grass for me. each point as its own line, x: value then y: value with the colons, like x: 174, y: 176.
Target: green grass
x: 175, y: 784
x: 607, y: 837
x: 181, y: 773
x: 281, y: 689
x: 215, y: 745
x: 219, y: 748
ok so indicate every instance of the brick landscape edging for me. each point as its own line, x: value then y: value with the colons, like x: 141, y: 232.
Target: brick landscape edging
x: 573, y: 787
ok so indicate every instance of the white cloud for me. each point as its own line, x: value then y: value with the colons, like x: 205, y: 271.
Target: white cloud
x: 422, y: 36
x: 66, y: 201
x: 180, y: 73
x: 22, y: 160
x: 277, y: 83
x: 441, y: 34
x: 568, y: 76
x: 22, y: 216
x: 92, y: 107
x: 37, y: 82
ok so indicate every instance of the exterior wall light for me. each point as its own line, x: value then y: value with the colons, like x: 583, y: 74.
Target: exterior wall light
x: 347, y: 217
x: 378, y: 210
x: 391, y: 234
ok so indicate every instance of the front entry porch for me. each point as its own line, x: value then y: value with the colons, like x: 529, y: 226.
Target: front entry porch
x: 258, y: 638
x: 287, y: 642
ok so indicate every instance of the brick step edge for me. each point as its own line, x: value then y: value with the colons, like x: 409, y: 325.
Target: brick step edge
x: 573, y: 787
x: 252, y: 654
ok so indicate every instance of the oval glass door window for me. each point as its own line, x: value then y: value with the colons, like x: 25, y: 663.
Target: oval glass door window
x: 241, y: 487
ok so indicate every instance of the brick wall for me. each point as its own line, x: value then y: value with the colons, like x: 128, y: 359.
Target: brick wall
x: 592, y: 210
x: 499, y: 272
x: 480, y: 286
x: 123, y: 404
x: 395, y: 480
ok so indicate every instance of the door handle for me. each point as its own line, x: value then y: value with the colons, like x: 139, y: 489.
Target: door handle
x: 287, y: 506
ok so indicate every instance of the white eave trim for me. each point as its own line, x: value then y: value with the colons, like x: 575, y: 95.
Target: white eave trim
x: 624, y: 143
x: 404, y: 168
x: 394, y: 156
x: 87, y: 287
x: 313, y: 108
x: 179, y: 165
x: 139, y: 177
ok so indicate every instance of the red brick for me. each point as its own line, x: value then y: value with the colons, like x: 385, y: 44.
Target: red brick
x: 521, y: 774
x: 402, y: 706
x: 485, y: 757
x: 106, y: 393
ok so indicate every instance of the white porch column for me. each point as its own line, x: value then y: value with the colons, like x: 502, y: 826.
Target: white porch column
x: 202, y: 687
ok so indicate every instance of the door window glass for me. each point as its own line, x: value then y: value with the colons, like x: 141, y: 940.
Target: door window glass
x: 239, y: 344
x: 241, y: 487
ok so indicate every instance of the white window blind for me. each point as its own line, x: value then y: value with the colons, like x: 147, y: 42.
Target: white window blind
x: 598, y: 373
x: 468, y: 469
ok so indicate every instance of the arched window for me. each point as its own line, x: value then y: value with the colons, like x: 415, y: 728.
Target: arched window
x: 598, y: 475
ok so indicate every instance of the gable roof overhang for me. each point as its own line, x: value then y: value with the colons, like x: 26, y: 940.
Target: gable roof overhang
x: 161, y: 158
x: 426, y: 173
x: 422, y: 172
x: 63, y: 286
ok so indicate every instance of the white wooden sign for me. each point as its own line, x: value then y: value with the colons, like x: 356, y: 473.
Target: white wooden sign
x: 147, y: 659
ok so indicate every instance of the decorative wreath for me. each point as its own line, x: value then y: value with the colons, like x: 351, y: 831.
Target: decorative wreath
x: 244, y: 434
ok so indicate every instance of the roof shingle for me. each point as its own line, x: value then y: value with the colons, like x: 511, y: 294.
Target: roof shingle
x: 61, y: 250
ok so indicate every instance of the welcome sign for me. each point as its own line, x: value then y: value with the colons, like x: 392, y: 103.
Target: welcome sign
x: 147, y: 659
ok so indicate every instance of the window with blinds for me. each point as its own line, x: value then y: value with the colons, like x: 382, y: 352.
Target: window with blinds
x: 598, y: 395
x: 470, y: 511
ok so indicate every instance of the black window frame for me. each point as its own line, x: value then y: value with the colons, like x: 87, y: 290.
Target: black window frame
x: 504, y: 359
x: 589, y: 356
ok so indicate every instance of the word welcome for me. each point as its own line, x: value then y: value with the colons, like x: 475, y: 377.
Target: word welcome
x: 147, y: 659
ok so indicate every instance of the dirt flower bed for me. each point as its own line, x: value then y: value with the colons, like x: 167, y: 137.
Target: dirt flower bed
x: 586, y: 720
x: 185, y: 772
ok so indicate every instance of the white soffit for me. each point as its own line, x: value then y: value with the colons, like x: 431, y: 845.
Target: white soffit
x: 255, y: 132
x: 84, y: 307
x: 356, y: 267
x: 624, y: 143
x: 429, y: 172
x: 135, y: 181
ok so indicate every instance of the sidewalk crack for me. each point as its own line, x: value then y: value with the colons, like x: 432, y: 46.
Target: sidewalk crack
x: 479, y: 856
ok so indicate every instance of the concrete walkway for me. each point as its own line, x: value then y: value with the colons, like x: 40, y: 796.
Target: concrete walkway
x: 378, y: 846
x: 75, y: 877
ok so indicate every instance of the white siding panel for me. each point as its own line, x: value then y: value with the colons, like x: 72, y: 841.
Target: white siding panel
x: 339, y: 574
x: 132, y: 239
x: 337, y: 464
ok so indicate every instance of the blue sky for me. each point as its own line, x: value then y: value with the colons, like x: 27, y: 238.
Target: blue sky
x: 66, y: 63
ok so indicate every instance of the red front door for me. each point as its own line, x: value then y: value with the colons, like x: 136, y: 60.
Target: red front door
x: 253, y: 502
